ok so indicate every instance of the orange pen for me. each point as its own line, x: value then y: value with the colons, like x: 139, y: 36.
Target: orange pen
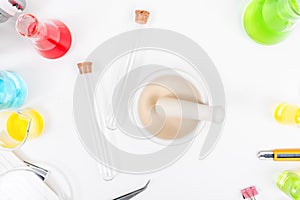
x: 280, y: 155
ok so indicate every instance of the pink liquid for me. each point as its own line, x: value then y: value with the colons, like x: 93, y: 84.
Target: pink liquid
x: 56, y: 42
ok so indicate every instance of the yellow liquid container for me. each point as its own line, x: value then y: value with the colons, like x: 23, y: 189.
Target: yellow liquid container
x: 287, y: 114
x: 20, y: 126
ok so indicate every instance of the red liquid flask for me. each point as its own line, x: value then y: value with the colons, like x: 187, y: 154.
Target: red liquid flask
x: 52, y: 39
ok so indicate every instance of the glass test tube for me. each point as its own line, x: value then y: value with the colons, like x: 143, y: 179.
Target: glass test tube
x: 101, y: 145
x: 141, y: 18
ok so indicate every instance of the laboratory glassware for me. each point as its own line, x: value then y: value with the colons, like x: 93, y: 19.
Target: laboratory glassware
x: 158, y: 50
x: 99, y: 143
x: 18, y: 126
x: 52, y: 39
x: 13, y: 90
x: 141, y: 19
x: 289, y: 183
x: 271, y: 21
x: 9, y: 8
x: 287, y: 114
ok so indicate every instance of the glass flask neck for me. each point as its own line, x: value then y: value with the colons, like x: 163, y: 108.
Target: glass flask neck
x: 28, y: 25
x: 289, y: 9
x: 282, y: 15
x: 294, y: 4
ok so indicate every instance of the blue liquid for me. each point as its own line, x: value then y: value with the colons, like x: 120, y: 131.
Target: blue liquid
x: 13, y: 90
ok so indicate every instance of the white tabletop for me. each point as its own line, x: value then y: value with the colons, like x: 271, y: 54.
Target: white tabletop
x: 255, y: 77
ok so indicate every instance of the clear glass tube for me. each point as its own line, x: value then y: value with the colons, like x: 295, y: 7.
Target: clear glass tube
x: 141, y: 19
x: 96, y: 125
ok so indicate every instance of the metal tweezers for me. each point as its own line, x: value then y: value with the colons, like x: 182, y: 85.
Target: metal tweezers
x: 40, y: 172
x: 132, y: 194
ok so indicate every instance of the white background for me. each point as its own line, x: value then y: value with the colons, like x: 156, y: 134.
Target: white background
x: 255, y: 77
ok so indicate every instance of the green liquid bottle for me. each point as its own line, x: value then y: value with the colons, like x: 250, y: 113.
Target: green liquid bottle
x: 289, y: 183
x: 270, y: 21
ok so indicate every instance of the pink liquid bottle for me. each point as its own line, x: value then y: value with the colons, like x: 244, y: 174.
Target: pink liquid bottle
x: 52, y: 39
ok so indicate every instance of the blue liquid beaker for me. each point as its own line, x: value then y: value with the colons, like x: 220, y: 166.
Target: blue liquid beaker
x: 13, y: 90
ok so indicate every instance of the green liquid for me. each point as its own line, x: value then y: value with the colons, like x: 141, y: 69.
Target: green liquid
x: 289, y: 183
x: 270, y: 21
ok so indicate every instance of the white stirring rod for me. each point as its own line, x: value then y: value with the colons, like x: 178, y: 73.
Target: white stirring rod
x: 172, y: 107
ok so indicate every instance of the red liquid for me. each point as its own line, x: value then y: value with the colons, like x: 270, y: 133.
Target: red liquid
x: 55, y: 41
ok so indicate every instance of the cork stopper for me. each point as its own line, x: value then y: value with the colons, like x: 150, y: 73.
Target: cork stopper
x: 141, y: 16
x: 85, y: 67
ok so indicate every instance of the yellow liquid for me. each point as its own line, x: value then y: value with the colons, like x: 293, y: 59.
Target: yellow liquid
x: 287, y: 114
x: 17, y: 125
